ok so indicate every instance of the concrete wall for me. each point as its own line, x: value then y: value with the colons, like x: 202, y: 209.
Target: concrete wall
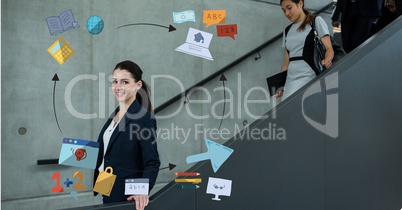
x: 27, y: 88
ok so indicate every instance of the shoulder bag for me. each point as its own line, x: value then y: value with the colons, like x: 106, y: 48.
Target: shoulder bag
x: 319, y: 50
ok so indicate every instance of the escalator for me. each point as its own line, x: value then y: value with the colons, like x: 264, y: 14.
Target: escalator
x: 334, y: 144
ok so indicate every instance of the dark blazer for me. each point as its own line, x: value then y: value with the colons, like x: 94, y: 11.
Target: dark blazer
x: 367, y: 8
x: 132, y: 150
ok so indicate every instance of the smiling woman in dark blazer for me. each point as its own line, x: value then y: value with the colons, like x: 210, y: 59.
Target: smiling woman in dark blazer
x: 128, y: 138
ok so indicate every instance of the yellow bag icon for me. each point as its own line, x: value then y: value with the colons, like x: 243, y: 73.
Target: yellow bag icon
x: 105, y: 181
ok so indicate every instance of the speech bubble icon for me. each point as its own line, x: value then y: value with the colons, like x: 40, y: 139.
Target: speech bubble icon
x: 227, y: 30
x: 214, y: 17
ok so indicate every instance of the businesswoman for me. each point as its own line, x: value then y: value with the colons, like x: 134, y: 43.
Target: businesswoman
x: 128, y: 138
x: 299, y: 46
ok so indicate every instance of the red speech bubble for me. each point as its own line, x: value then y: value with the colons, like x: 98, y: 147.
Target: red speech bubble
x: 227, y: 30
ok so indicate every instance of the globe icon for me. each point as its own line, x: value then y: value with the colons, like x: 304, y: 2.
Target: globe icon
x: 95, y: 25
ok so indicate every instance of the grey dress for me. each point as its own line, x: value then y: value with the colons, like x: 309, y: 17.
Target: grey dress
x: 299, y: 71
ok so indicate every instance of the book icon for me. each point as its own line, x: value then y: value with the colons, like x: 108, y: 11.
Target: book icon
x: 59, y: 24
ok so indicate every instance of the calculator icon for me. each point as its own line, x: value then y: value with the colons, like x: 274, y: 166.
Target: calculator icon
x: 60, y: 50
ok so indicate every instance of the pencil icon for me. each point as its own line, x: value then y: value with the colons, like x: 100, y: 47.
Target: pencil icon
x: 187, y: 174
x: 195, y: 181
x: 187, y: 186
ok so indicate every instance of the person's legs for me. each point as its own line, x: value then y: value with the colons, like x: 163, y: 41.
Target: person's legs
x: 348, y: 26
x: 347, y: 31
x: 362, y: 30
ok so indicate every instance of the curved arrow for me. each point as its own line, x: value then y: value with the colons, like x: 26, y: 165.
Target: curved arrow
x: 171, y: 28
x: 223, y: 79
x: 55, y: 79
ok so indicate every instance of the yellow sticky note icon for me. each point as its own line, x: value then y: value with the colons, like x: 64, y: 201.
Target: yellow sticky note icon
x: 212, y: 17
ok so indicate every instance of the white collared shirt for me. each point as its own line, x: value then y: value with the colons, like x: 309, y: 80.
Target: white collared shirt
x: 106, y: 139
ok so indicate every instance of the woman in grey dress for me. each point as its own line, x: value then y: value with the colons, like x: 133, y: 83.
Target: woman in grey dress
x: 298, y: 41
